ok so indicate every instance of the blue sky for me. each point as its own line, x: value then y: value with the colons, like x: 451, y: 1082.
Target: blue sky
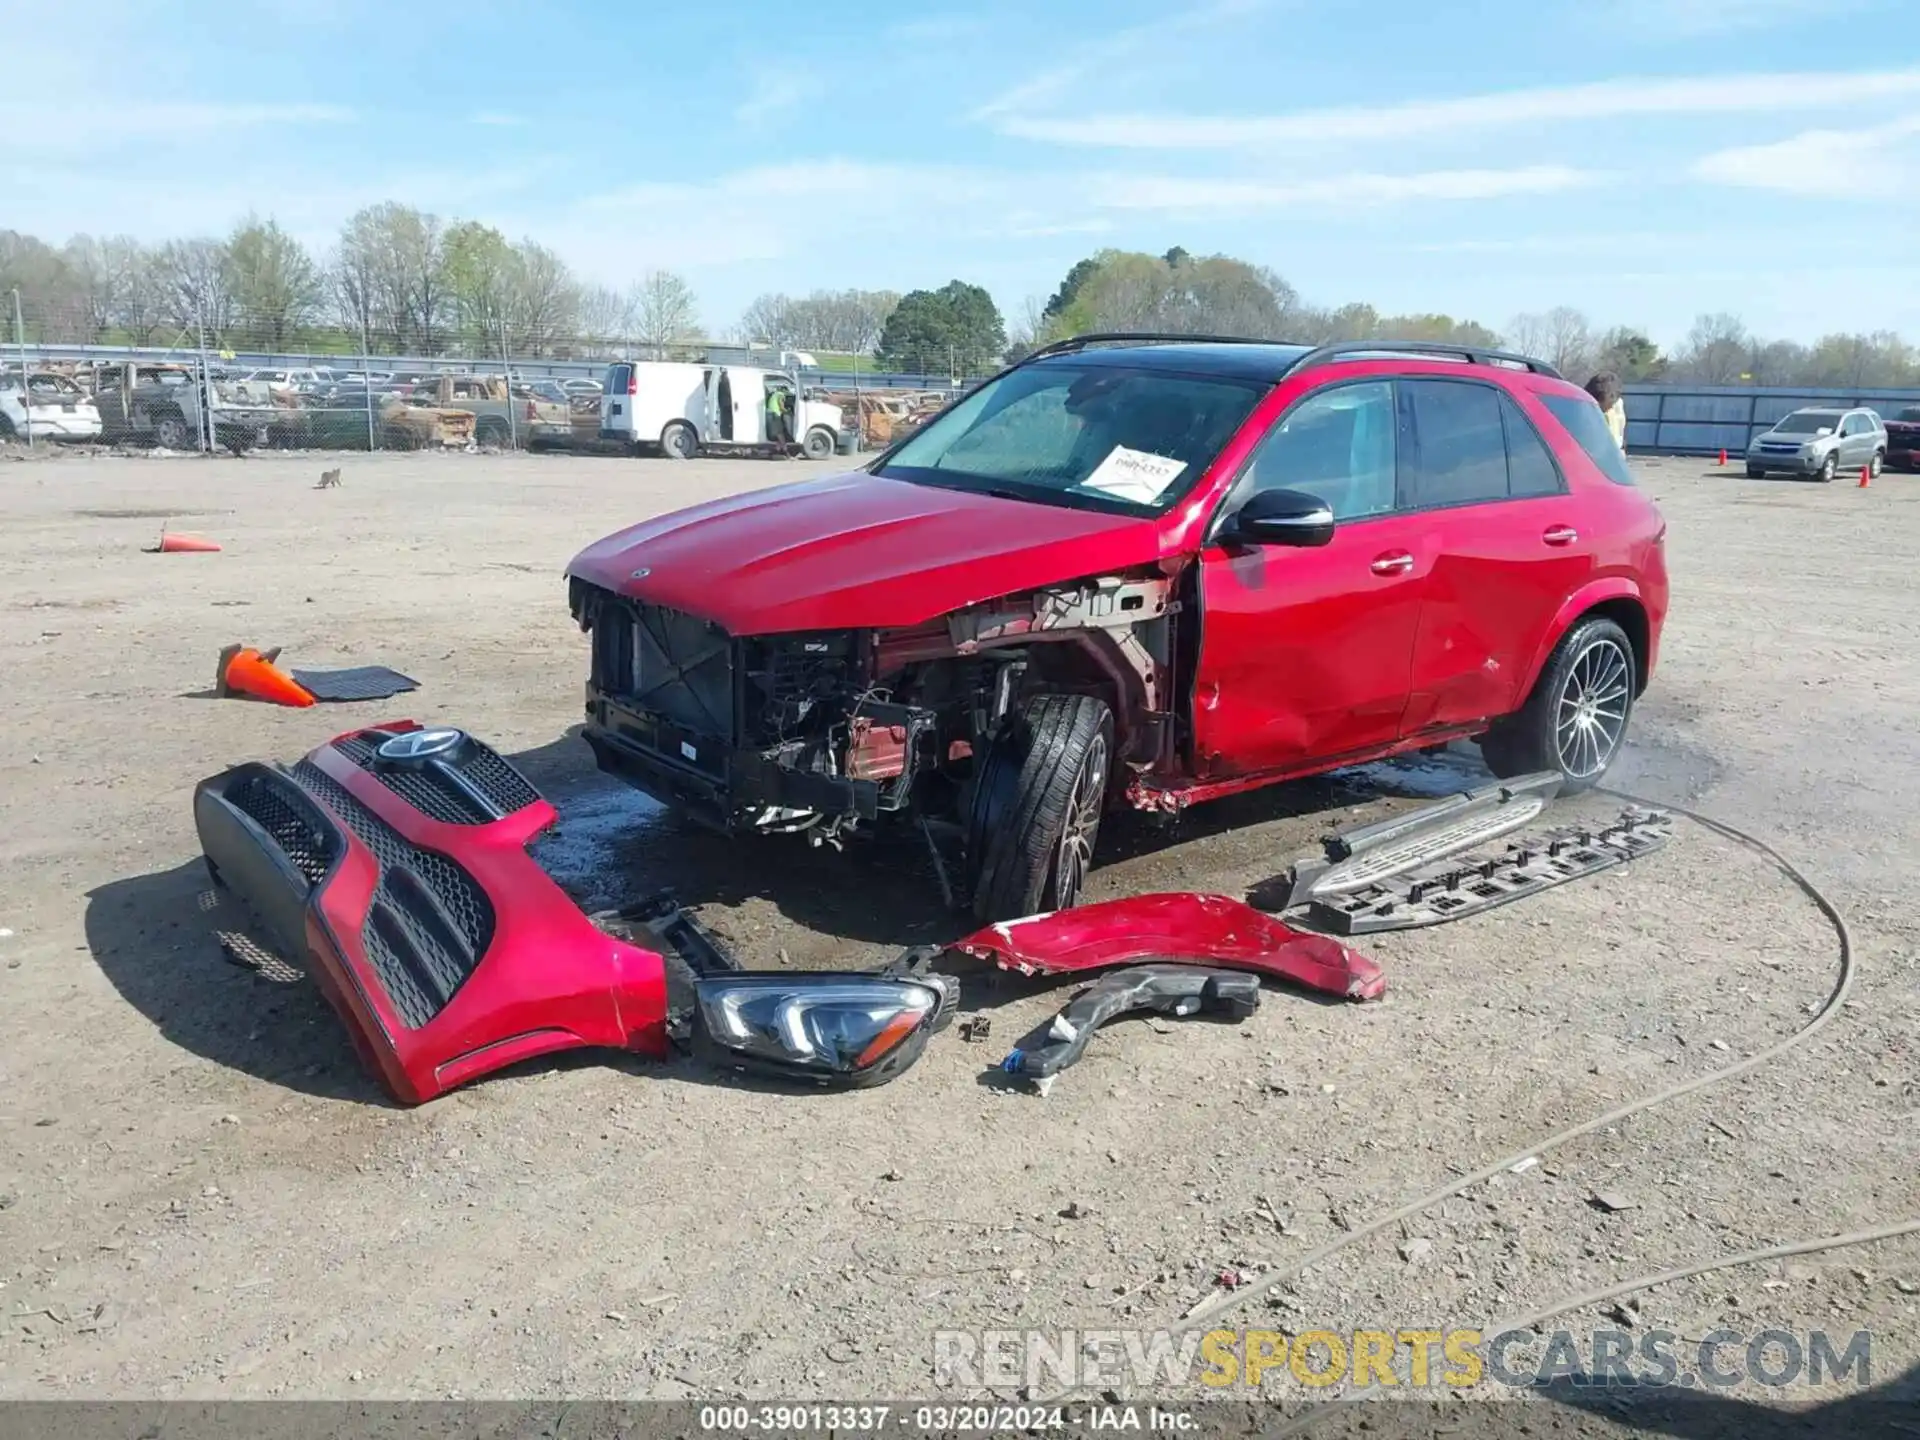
x: 1644, y: 160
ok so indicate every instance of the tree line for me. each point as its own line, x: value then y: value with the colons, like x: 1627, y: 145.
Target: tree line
x: 398, y: 281
x: 401, y: 281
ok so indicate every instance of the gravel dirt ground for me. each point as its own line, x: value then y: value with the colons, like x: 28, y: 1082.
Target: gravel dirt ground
x: 202, y: 1195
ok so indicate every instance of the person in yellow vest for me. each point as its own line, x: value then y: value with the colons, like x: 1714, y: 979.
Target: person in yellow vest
x: 779, y: 432
x: 1604, y: 387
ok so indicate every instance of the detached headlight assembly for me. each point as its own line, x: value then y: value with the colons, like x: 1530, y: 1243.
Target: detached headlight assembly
x: 840, y: 1029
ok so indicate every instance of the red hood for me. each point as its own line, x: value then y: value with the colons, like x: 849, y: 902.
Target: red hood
x: 855, y: 551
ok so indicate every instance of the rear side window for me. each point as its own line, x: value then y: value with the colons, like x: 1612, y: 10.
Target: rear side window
x: 1583, y: 421
x: 1530, y: 467
x: 616, y: 382
x: 1461, y: 446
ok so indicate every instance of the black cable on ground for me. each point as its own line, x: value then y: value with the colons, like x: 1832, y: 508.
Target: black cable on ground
x: 1206, y: 1317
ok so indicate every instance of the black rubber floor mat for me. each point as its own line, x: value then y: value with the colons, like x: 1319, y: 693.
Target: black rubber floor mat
x: 363, y: 682
x: 1468, y: 884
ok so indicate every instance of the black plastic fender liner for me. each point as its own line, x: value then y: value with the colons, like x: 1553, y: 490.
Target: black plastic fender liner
x: 1179, y: 990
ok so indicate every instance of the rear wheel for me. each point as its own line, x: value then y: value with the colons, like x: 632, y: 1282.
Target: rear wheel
x: 1037, y: 802
x: 1876, y: 465
x: 679, y: 441
x: 6, y: 428
x: 819, y: 445
x: 1576, y: 717
x: 492, y: 430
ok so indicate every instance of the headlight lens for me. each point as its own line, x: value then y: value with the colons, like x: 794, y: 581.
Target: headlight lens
x: 850, y: 1029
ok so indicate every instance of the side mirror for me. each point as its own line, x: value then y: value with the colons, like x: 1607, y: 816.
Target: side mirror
x: 1282, y: 517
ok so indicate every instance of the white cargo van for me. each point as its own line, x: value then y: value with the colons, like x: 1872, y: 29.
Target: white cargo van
x: 685, y: 409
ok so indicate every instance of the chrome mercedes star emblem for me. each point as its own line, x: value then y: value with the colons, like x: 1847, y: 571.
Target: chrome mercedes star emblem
x: 420, y: 744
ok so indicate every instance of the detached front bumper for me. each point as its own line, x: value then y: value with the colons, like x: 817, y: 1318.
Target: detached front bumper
x: 407, y: 890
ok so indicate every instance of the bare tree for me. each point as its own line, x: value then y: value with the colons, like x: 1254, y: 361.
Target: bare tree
x: 1716, y: 349
x: 1529, y: 334
x: 768, y: 319
x: 663, y: 311
x: 196, y: 287
x: 1570, y: 344
x: 603, y: 313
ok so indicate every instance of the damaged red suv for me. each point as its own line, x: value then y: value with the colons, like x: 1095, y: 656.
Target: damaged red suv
x: 1136, y: 571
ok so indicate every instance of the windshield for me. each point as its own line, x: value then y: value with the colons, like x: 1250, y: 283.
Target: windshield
x: 1094, y: 436
x: 1808, y: 422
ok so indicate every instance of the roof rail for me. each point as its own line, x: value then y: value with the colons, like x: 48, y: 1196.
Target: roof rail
x: 1143, y: 337
x: 1387, y: 349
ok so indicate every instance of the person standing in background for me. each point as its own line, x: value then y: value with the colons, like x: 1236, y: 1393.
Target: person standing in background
x: 1604, y: 387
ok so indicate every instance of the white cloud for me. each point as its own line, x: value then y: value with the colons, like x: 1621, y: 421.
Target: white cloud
x: 1131, y: 40
x: 775, y: 91
x: 1180, y: 193
x: 1865, y: 164
x: 1695, y: 18
x: 90, y: 126
x: 1602, y: 100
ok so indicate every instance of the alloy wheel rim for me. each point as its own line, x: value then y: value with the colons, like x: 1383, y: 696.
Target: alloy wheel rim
x: 1592, y: 712
x: 1082, y: 823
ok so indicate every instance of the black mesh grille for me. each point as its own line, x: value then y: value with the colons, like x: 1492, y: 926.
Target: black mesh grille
x: 429, y: 924
x: 433, y: 795
x: 304, y: 841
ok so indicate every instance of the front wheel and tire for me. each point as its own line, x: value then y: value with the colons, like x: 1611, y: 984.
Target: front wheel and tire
x: 1038, y: 796
x: 818, y: 445
x: 679, y: 442
x: 1576, y: 717
x: 1829, y: 467
x: 170, y: 433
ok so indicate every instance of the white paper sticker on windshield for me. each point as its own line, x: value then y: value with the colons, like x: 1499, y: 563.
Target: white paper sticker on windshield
x: 1134, y: 475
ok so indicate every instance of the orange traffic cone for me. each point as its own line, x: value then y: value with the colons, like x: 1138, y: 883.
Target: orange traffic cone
x: 175, y: 543
x: 1723, y: 457
x: 1866, y: 476
x: 247, y: 672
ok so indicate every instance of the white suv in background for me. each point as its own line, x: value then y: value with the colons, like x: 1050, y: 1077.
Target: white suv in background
x: 53, y: 408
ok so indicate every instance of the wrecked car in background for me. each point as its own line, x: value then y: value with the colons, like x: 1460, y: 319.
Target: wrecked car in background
x: 168, y: 406
x: 1140, y: 571
x: 48, y: 407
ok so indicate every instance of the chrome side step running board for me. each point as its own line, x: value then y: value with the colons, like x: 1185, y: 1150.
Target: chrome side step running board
x: 1449, y: 889
x: 1355, y: 861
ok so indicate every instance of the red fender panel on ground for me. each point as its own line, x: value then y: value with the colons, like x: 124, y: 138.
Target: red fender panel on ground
x: 1175, y: 928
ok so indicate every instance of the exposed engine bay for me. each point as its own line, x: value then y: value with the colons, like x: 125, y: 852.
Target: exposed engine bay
x: 820, y: 731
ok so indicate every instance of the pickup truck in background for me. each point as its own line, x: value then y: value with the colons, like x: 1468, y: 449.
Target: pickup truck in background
x: 163, y: 405
x: 1903, y: 439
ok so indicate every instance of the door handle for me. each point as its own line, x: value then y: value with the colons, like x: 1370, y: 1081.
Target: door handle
x: 1560, y: 535
x: 1394, y: 562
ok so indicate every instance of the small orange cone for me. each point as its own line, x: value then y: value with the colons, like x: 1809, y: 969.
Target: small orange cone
x: 1866, y: 476
x: 173, y: 542
x: 247, y: 672
x: 1723, y: 457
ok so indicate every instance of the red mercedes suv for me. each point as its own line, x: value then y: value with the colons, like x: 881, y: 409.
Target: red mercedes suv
x: 1135, y: 570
